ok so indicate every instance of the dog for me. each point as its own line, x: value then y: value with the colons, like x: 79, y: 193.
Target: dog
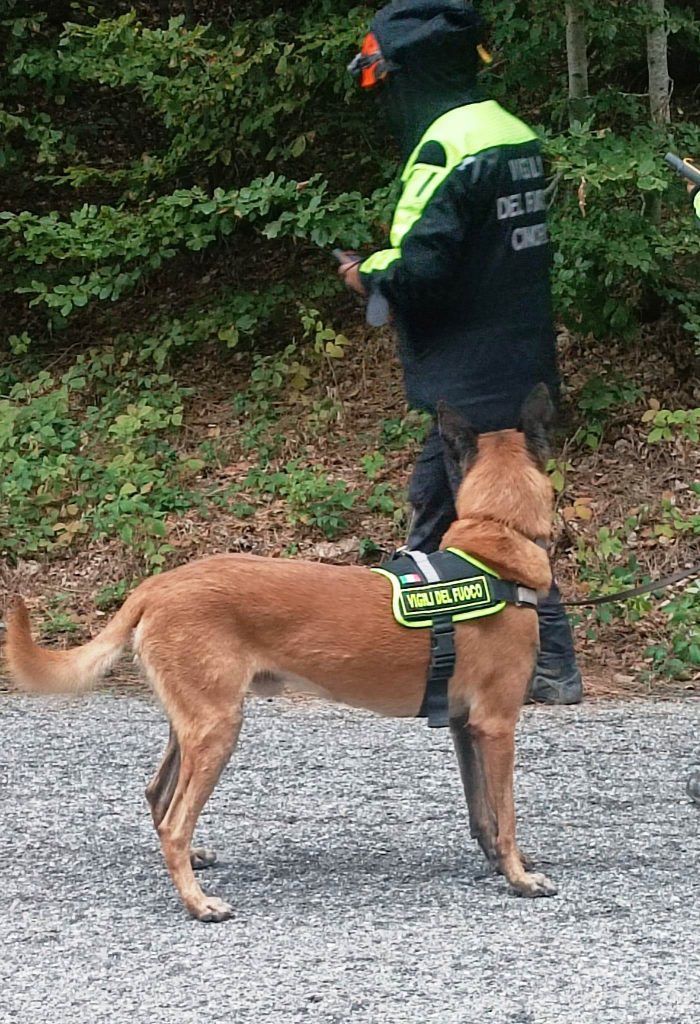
x: 210, y: 631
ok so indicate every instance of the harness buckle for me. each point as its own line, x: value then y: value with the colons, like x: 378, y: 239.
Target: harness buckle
x: 525, y: 597
x: 442, y: 654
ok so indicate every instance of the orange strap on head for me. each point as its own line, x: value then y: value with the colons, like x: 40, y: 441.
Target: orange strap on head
x: 369, y: 65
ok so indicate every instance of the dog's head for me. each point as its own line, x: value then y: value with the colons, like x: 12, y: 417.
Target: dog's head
x: 501, y: 475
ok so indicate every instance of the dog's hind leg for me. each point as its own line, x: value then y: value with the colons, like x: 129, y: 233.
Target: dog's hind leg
x: 205, y: 747
x: 494, y: 738
x: 159, y: 793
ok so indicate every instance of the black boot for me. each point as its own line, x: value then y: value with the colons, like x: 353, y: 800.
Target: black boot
x: 557, y: 679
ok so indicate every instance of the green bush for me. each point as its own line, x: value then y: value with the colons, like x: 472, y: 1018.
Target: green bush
x: 130, y: 144
x: 92, y: 452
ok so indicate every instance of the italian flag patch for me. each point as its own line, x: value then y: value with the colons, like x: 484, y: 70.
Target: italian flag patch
x: 411, y: 577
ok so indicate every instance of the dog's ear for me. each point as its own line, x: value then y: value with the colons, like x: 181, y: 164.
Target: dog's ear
x: 460, y: 441
x: 536, y: 418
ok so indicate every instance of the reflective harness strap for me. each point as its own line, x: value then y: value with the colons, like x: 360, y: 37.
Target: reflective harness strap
x: 426, y: 567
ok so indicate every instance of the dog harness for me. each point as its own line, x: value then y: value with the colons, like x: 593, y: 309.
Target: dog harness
x: 434, y: 592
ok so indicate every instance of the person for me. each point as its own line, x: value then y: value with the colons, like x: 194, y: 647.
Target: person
x: 466, y: 278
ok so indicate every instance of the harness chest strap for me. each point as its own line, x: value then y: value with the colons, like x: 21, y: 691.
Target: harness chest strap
x: 436, y: 591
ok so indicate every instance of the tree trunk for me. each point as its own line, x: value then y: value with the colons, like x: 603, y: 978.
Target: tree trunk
x: 659, y: 82
x: 577, y: 60
x: 657, y: 62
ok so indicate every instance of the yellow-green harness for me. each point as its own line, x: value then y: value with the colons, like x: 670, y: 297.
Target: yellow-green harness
x: 434, y: 592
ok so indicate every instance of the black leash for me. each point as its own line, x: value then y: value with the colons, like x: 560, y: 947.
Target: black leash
x: 647, y: 588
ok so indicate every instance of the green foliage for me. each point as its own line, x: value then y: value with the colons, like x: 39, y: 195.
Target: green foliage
x: 112, y: 595
x: 311, y: 498
x: 219, y: 106
x: 665, y: 424
x: 280, y: 379
x: 369, y: 550
x: 613, y: 253
x: 137, y: 155
x: 383, y: 498
x: 681, y: 658
x: 325, y: 340
x: 58, y: 621
x: 373, y: 463
x: 412, y: 428
x: 557, y: 470
x: 600, y: 396
x: 607, y: 566
x: 90, y: 452
x: 124, y: 246
x: 137, y: 144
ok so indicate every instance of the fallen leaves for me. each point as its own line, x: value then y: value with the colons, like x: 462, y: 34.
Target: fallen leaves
x: 579, y: 509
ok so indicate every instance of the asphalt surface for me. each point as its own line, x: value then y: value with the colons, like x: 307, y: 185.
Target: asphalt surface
x: 344, y: 847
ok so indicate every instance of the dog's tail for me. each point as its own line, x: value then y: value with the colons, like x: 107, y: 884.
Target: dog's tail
x: 37, y: 670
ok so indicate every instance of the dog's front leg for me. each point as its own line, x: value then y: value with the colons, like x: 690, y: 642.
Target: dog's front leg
x: 482, y: 820
x: 482, y: 823
x: 495, y: 744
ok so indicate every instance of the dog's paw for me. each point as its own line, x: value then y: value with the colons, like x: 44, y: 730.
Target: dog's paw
x: 535, y: 884
x: 212, y: 909
x: 202, y: 857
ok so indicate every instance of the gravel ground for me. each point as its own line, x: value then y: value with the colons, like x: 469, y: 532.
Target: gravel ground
x: 344, y: 846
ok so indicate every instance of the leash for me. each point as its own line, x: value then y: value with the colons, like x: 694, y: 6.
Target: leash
x: 647, y: 588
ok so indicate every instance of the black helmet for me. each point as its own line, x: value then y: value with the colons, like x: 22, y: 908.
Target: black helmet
x: 412, y: 32
x: 427, y: 53
x: 408, y: 32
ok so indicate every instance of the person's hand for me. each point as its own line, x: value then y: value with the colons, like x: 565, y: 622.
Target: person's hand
x: 351, y: 276
x: 349, y: 271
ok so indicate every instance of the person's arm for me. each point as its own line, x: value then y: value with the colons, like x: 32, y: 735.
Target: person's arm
x: 430, y: 225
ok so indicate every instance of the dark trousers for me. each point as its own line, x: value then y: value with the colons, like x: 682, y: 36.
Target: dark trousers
x: 433, y: 511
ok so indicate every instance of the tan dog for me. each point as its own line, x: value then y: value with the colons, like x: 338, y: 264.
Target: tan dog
x: 211, y: 631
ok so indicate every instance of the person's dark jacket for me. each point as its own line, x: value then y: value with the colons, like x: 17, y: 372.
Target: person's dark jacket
x: 467, y: 274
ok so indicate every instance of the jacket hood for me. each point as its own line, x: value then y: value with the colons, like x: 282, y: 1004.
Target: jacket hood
x: 431, y: 45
